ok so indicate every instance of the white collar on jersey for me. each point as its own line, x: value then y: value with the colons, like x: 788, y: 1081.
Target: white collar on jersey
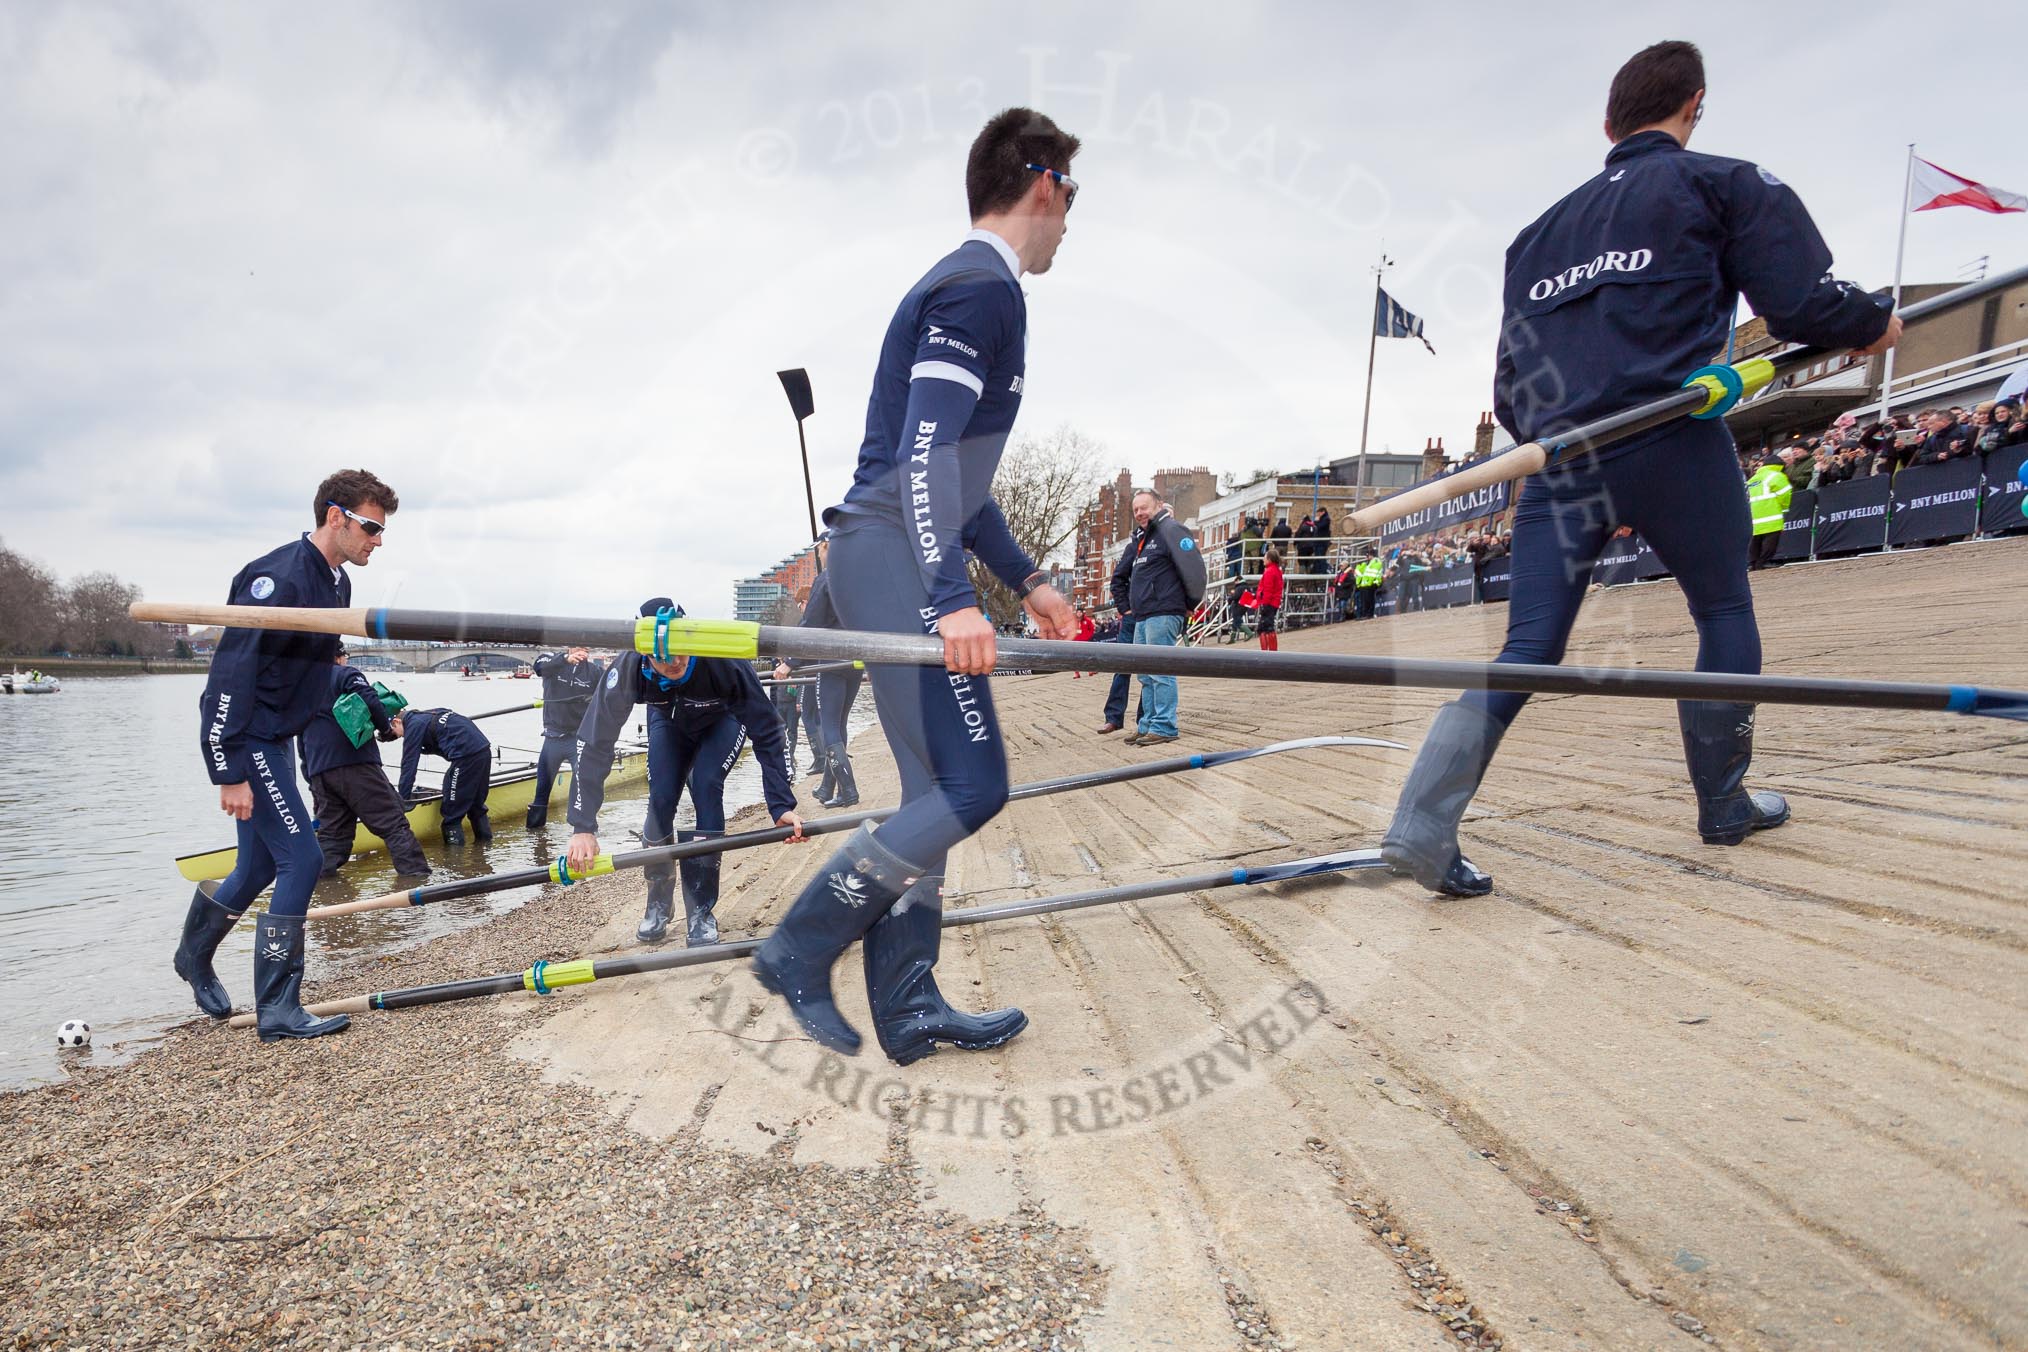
x: 1001, y: 247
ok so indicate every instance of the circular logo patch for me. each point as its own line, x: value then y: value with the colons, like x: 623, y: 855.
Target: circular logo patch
x: 1768, y: 178
x: 263, y: 588
x: 1186, y: 544
x: 612, y: 678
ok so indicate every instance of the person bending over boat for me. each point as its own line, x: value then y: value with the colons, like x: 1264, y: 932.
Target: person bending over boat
x: 348, y: 784
x: 569, y: 680
x: 701, y: 711
x: 456, y: 738
x: 264, y: 687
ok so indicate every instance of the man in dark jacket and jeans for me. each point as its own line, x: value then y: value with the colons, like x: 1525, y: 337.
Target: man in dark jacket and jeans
x: 348, y: 784
x: 1163, y: 575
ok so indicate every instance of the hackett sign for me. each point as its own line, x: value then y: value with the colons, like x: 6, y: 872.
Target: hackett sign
x: 1477, y: 503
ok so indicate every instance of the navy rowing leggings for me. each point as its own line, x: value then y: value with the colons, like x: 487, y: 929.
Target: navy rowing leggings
x: 278, y: 843
x: 1684, y: 495
x: 677, y: 758
x: 835, y: 692
x: 945, y: 737
x: 556, y: 752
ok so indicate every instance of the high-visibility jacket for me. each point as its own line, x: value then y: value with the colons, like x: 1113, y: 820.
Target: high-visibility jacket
x: 1767, y: 496
x: 1371, y: 572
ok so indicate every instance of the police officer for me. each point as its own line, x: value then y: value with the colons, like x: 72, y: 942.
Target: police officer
x: 1369, y: 575
x: 348, y: 784
x: 945, y: 394
x: 701, y: 711
x: 447, y: 733
x: 569, y: 680
x: 1613, y: 297
x: 1767, y: 500
x: 264, y: 687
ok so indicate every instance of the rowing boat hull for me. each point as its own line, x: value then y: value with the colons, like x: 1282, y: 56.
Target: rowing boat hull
x: 509, y: 797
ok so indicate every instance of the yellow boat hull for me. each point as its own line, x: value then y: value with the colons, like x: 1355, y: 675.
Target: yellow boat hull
x: 509, y: 797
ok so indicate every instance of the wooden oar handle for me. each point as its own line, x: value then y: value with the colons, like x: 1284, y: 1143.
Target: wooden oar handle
x: 352, y: 1004
x: 303, y: 619
x: 1518, y: 463
x: 387, y: 903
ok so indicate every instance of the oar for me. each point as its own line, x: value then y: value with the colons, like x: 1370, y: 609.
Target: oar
x: 545, y: 977
x: 665, y: 636
x: 1708, y: 393
x: 510, y: 709
x: 559, y: 871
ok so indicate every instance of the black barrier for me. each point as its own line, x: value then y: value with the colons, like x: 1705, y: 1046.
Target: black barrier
x: 1626, y: 559
x: 1934, y: 502
x: 1852, y: 516
x: 1387, y: 598
x: 2005, y: 506
x: 1450, y: 585
x: 1496, y: 578
x: 1797, y: 525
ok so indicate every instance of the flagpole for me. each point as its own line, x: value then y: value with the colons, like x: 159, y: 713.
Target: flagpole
x: 1900, y: 247
x: 1366, y: 418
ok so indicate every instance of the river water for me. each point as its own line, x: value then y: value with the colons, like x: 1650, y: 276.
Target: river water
x: 101, y: 788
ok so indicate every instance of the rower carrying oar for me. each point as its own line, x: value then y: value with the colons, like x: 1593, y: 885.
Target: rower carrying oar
x: 739, y: 638
x: 559, y: 871
x: 546, y: 977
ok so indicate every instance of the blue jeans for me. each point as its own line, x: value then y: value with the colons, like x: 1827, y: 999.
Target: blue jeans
x: 1116, y: 697
x: 1158, y: 693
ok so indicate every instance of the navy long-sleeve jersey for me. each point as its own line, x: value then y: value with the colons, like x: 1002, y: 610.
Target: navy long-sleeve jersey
x: 943, y: 403
x: 1620, y: 291
x: 267, y: 684
x: 324, y: 745
x: 711, y: 689
x: 438, y: 732
x: 567, y: 690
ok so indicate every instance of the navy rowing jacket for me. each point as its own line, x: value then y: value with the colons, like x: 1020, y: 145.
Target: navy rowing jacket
x: 267, y: 684
x: 1628, y: 285
x: 567, y: 690
x: 440, y: 732
x: 713, y: 689
x: 324, y: 745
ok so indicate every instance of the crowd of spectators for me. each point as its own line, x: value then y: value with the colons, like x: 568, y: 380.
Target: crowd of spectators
x: 1847, y: 450
x: 1474, y: 547
x: 1306, y: 547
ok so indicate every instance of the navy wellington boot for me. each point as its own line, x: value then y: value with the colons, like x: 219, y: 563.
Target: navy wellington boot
x: 840, y: 903
x: 700, y: 894
x: 1718, y: 746
x: 1422, y: 840
x: 205, y: 926
x: 278, y: 983
x: 910, y: 1015
x: 661, y: 879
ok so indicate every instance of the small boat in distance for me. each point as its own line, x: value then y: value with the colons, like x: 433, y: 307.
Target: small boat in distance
x: 30, y: 683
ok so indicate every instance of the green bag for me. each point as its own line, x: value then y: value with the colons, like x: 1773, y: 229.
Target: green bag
x: 352, y: 716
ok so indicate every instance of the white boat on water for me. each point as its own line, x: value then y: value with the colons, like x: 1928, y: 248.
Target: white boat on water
x: 31, y: 683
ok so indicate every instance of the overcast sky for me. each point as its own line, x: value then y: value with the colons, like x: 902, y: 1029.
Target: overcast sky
x: 536, y: 263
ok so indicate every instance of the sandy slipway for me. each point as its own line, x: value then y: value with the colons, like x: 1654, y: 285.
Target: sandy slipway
x: 1649, y: 1094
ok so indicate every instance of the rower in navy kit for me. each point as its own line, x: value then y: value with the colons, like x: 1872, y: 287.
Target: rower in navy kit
x: 701, y: 711
x: 348, y: 783
x: 837, y: 688
x: 944, y: 398
x: 1616, y: 295
x: 468, y: 780
x: 264, y: 686
x: 569, y: 680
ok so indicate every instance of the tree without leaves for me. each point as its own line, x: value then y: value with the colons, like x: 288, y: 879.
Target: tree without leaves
x: 1041, y: 484
x: 31, y: 606
x: 96, y: 622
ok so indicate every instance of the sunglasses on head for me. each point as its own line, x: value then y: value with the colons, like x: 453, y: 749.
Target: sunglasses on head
x: 366, y: 523
x: 1069, y: 183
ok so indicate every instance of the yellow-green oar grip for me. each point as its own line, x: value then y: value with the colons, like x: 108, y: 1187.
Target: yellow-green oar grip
x: 1754, y: 373
x: 683, y: 637
x: 545, y: 977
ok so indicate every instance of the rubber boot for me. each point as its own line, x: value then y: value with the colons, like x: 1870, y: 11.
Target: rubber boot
x: 661, y: 895
x: 1422, y: 840
x: 278, y: 983
x: 700, y: 894
x: 829, y: 783
x: 910, y: 1015
x: 408, y: 856
x: 1718, y: 746
x: 840, y: 903
x: 538, y: 816
x: 205, y: 926
x: 844, y: 789
x: 482, y: 825
x: 454, y: 834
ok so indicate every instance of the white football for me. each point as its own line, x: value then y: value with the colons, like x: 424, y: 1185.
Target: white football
x: 74, y: 1033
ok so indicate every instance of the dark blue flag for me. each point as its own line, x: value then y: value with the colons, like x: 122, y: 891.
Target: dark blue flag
x: 1391, y: 321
